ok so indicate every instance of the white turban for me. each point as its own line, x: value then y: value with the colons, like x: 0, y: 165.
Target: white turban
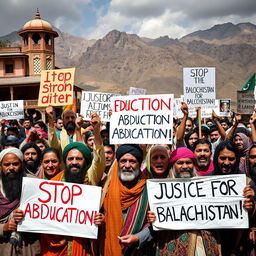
x: 14, y: 151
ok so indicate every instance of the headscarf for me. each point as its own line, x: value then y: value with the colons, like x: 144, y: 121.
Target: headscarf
x: 132, y: 149
x: 247, y: 142
x: 82, y: 148
x: 181, y: 152
x: 14, y: 151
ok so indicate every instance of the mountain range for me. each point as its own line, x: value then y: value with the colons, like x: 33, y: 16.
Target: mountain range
x: 120, y: 60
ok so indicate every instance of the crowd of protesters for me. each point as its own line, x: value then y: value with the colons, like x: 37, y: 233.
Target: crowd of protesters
x: 69, y: 149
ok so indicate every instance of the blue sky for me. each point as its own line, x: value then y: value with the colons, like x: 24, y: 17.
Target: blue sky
x: 93, y: 19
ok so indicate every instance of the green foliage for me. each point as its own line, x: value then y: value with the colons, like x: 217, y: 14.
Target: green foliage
x: 4, y: 43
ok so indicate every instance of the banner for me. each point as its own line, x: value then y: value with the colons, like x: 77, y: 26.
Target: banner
x: 212, y: 202
x: 10, y: 110
x: 96, y: 102
x: 61, y: 208
x: 137, y: 91
x: 56, y: 87
x: 245, y: 102
x: 142, y: 119
x: 199, y: 86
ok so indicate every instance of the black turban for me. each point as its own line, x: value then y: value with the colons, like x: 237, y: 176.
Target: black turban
x: 132, y: 149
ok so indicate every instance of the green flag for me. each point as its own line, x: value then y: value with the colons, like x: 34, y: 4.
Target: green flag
x: 249, y: 84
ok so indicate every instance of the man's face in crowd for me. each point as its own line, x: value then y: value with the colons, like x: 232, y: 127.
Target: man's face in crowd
x: 90, y: 142
x: 104, y: 135
x: 129, y: 168
x: 189, y: 126
x: 239, y: 142
x: 109, y: 156
x: 41, y: 146
x: 226, y: 161
x: 30, y: 158
x: 59, y: 124
x: 11, y: 133
x: 252, y: 163
x: 214, y: 136
x: 159, y: 161
x: 183, y: 168
x: 11, y: 176
x: 27, y: 124
x: 203, y: 155
x: 192, y: 139
x: 75, y: 167
x: 69, y: 119
x: 224, y: 125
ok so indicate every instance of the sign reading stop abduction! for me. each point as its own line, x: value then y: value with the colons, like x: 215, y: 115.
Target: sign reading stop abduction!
x: 56, y: 87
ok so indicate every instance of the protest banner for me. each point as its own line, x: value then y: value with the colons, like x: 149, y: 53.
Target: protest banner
x: 96, y: 102
x: 137, y: 91
x: 61, y: 208
x: 10, y: 110
x: 211, y: 202
x: 177, y: 113
x: 141, y: 119
x: 224, y: 107
x: 199, y: 86
x: 56, y: 87
x: 245, y: 102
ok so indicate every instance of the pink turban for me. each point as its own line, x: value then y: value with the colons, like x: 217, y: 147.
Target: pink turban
x: 181, y: 153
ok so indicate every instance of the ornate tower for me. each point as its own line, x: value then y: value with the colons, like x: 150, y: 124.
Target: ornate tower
x: 38, y: 43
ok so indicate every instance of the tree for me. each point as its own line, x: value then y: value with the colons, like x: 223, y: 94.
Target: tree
x: 4, y: 43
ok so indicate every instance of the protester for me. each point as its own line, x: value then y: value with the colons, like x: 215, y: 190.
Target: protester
x: 31, y: 159
x: 125, y: 204
x: 59, y: 126
x: 89, y: 139
x: 27, y: 125
x: 11, y: 242
x: 203, y: 152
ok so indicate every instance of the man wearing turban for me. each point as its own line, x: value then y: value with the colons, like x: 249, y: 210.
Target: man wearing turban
x: 195, y: 242
x: 11, y: 242
x: 125, y: 204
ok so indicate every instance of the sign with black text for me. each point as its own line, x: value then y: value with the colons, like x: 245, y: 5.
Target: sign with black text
x: 211, y: 202
x: 10, y: 110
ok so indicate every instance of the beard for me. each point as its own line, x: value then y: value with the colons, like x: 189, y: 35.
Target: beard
x: 70, y: 126
x: 252, y: 171
x: 32, y: 166
x: 184, y: 173
x: 75, y: 176
x: 203, y: 164
x: 12, y: 185
x: 128, y: 174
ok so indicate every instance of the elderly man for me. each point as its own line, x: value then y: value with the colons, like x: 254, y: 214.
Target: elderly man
x: 11, y: 242
x: 203, y: 152
x: 31, y: 159
x: 125, y: 204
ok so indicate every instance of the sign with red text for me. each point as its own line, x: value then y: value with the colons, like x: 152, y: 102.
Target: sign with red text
x: 10, y: 110
x: 56, y: 87
x: 211, y: 202
x: 137, y: 91
x: 61, y: 208
x: 199, y: 86
x: 142, y: 119
x: 96, y: 102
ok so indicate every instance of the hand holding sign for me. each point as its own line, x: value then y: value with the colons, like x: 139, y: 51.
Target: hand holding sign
x: 10, y: 226
x: 151, y: 217
x: 184, y: 108
x: 249, y: 204
x: 79, y: 122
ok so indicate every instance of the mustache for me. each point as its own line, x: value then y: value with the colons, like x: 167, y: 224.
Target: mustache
x: 226, y: 166
x: 74, y: 166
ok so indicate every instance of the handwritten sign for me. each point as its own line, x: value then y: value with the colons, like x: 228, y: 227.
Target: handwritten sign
x: 199, y: 86
x: 137, y: 91
x: 96, y: 102
x: 60, y: 208
x: 12, y: 109
x: 198, y: 203
x: 56, y: 87
x: 142, y: 119
x: 246, y: 102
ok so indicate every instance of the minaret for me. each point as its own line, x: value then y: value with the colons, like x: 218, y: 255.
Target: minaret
x: 38, y: 43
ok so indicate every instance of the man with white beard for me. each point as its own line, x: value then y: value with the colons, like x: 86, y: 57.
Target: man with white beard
x: 203, y: 152
x: 126, y: 204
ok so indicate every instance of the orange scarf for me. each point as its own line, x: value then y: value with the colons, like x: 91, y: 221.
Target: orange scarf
x: 118, y: 198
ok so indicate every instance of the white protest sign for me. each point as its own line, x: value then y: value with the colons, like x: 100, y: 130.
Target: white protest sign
x: 177, y: 113
x: 10, y: 110
x: 199, y: 86
x: 61, y: 208
x: 199, y: 203
x: 96, y: 102
x: 142, y: 119
x: 224, y: 107
x: 137, y: 91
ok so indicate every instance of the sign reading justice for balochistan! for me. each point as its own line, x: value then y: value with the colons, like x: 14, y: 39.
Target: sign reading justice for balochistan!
x: 211, y: 202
